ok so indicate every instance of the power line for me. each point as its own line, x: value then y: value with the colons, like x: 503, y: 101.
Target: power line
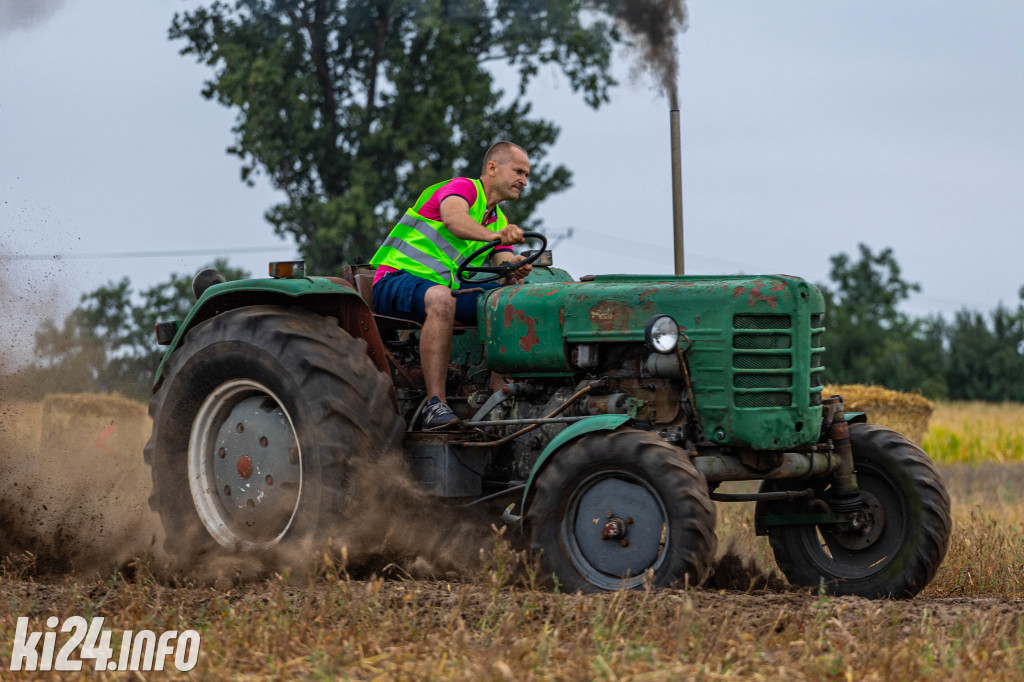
x: 144, y: 254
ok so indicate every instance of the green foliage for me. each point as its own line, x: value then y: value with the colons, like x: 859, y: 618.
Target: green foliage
x: 107, y: 343
x: 869, y: 340
x: 974, y: 357
x: 352, y: 108
x: 870, y: 289
x: 985, y: 361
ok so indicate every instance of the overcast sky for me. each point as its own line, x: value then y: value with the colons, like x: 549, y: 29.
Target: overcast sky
x: 807, y: 127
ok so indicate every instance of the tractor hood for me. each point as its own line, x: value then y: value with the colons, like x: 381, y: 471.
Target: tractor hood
x: 530, y: 328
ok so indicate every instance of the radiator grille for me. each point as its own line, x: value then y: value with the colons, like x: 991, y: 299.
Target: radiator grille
x: 762, y: 361
x: 762, y: 342
x: 817, y: 358
x: 762, y: 322
x: 762, y: 381
x: 762, y: 365
x: 774, y: 399
x: 756, y: 362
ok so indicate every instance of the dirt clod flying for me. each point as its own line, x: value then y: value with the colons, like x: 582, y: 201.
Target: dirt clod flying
x: 75, y: 487
x: 735, y: 570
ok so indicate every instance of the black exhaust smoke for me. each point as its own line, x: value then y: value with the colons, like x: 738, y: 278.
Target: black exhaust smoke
x: 654, y: 24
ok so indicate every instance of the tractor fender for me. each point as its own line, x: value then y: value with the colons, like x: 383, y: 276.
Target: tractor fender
x: 600, y: 422
x: 331, y: 296
x: 856, y: 417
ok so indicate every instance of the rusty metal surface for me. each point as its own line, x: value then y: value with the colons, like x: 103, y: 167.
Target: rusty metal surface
x: 754, y: 360
x: 721, y: 467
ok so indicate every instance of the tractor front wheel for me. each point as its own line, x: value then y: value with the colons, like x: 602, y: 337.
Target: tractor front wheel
x: 613, y: 510
x: 902, y: 535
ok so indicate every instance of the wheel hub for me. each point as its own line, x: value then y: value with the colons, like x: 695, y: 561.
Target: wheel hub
x: 244, y: 467
x: 625, y: 546
x: 614, y: 529
x: 244, y: 474
x: 865, y: 526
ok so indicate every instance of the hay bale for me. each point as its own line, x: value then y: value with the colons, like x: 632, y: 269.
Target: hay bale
x: 907, y: 413
x: 86, y: 508
x: 93, y: 433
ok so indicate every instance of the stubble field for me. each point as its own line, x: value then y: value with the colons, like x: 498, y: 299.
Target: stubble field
x: 428, y: 595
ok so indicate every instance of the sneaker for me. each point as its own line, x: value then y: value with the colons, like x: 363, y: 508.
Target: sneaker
x: 438, y: 415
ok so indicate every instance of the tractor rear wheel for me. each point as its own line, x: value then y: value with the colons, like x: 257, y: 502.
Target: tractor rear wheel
x: 897, y: 549
x: 255, y: 427
x: 613, y: 510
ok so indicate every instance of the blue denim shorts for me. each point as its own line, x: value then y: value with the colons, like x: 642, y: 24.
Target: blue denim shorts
x: 400, y: 294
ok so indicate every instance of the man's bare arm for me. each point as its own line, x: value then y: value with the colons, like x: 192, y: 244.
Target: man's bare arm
x: 455, y: 216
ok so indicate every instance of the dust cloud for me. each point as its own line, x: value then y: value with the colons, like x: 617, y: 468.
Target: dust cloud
x: 388, y: 526
x: 74, y: 501
x: 73, y: 486
x: 391, y: 521
x: 736, y: 569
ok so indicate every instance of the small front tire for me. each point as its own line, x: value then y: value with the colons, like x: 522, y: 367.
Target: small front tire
x: 897, y: 553
x: 614, y: 510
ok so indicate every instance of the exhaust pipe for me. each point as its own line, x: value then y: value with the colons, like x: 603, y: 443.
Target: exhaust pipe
x: 677, y: 193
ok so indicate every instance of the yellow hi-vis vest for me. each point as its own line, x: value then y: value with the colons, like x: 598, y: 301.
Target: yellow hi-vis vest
x: 425, y: 248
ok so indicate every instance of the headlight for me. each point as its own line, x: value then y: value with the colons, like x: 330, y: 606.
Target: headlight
x: 662, y: 334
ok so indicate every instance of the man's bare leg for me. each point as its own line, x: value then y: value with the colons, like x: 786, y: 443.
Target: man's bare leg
x: 436, y: 339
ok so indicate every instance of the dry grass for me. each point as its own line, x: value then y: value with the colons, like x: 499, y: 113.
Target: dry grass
x: 334, y: 627
x: 496, y: 624
x: 976, y: 432
x: 493, y: 623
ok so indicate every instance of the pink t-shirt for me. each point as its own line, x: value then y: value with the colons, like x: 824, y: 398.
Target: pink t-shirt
x: 462, y: 187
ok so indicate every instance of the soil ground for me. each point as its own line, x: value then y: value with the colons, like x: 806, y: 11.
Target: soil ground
x: 427, y: 594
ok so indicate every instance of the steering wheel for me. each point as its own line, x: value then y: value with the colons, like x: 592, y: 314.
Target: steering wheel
x: 497, y: 271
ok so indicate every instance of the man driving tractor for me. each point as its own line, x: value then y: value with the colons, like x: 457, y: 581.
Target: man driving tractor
x: 415, y: 277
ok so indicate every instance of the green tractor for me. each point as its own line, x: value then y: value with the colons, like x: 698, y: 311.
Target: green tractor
x: 628, y: 400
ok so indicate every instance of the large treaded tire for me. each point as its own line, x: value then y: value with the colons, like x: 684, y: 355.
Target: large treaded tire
x: 308, y: 384
x: 896, y: 560
x: 639, y: 479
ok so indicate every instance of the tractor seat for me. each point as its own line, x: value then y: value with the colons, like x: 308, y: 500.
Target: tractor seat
x: 364, y: 285
x: 362, y: 280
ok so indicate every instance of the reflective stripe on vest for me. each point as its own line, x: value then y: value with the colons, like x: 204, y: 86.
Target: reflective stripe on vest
x: 425, y: 248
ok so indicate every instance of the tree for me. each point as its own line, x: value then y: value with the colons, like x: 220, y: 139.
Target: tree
x: 107, y: 343
x: 985, y: 361
x: 870, y: 289
x: 352, y: 108
x: 868, y: 339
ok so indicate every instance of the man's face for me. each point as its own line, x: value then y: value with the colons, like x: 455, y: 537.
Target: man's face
x: 510, y: 177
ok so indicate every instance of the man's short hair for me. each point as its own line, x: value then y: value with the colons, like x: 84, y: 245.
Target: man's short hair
x: 500, y: 153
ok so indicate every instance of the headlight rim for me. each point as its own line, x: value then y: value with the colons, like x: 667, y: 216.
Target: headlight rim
x: 649, y: 334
